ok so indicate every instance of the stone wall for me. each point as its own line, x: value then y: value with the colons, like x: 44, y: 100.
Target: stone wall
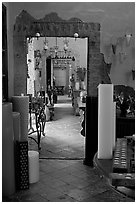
x: 52, y: 25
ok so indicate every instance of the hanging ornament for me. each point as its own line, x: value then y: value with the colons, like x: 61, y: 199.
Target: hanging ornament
x: 128, y: 38
x: 45, y: 47
x: 56, y: 48
x: 114, y: 48
x: 66, y: 42
x: 65, y: 47
x: 45, y: 44
x: 29, y: 39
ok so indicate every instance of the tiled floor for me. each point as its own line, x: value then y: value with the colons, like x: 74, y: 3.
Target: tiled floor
x: 63, y: 177
x: 62, y: 135
x: 68, y: 181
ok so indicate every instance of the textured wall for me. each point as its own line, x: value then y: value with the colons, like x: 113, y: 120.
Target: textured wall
x: 54, y: 26
x: 115, y: 18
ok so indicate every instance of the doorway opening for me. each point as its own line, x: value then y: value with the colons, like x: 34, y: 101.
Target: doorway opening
x: 51, y: 63
x: 51, y: 26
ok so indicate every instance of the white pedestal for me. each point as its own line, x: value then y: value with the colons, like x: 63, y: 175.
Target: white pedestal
x: 105, y: 121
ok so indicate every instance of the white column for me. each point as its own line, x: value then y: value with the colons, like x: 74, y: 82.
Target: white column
x: 105, y: 121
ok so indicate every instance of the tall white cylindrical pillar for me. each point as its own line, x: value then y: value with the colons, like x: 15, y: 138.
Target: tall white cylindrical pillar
x: 16, y: 125
x: 21, y: 105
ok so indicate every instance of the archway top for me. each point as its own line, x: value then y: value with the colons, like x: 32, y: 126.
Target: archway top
x: 25, y: 17
x: 53, y: 25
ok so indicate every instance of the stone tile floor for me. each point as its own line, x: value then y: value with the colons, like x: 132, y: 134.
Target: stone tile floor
x: 62, y: 134
x: 68, y: 181
x: 63, y: 177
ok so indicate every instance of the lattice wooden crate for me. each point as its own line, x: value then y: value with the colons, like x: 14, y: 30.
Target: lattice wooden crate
x: 122, y: 179
x: 120, y: 164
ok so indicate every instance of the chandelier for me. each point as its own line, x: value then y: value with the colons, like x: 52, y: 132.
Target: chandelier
x: 61, y: 58
x: 55, y: 53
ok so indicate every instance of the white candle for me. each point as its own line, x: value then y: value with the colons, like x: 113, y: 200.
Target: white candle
x: 33, y: 160
x: 105, y: 124
x: 16, y: 126
x: 21, y: 105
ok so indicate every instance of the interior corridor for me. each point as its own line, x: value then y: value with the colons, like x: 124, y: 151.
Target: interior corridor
x: 62, y: 135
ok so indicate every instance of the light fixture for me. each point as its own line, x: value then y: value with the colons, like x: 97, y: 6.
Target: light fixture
x: 64, y: 54
x: 45, y: 44
x: 45, y: 47
x: 75, y: 36
x: 65, y: 47
x: 128, y: 37
x: 37, y: 35
x: 29, y: 39
x: 66, y: 41
x: 56, y: 47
